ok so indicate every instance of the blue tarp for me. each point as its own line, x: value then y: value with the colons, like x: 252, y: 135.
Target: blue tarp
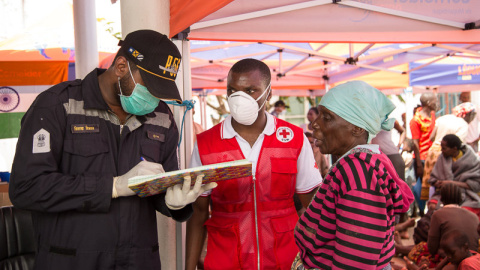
x: 445, y: 74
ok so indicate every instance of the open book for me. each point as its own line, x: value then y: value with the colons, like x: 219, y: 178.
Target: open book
x: 150, y: 185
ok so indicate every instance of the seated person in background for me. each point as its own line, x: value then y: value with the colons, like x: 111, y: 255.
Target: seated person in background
x: 278, y: 108
x: 450, y: 218
x: 420, y: 233
x: 444, y: 221
x: 458, y: 165
x: 455, y: 123
x: 320, y: 158
x: 420, y: 236
x: 456, y: 248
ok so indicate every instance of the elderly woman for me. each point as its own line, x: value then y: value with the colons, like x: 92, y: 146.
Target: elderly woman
x: 458, y: 164
x: 350, y: 222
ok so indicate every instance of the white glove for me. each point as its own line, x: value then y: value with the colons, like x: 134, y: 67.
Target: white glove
x: 120, y: 183
x: 180, y: 195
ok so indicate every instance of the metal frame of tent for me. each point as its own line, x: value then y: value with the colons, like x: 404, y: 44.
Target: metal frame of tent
x: 350, y: 61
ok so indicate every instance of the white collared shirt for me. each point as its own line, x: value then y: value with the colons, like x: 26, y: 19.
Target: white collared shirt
x: 308, y: 175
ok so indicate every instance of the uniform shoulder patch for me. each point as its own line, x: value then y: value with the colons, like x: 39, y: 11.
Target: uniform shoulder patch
x: 41, y: 142
x: 284, y: 134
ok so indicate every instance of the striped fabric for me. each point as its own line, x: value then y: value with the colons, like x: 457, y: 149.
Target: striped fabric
x: 350, y: 222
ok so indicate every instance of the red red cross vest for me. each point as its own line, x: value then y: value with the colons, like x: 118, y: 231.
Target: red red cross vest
x: 253, y: 218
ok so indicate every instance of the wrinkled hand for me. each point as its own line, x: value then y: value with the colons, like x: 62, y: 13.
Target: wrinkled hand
x: 120, y: 183
x: 438, y: 184
x: 180, y: 195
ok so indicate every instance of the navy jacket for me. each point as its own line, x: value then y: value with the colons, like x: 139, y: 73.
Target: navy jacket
x: 70, y: 147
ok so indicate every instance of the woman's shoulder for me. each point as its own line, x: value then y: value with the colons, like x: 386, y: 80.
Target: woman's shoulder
x: 358, y: 166
x: 365, y: 158
x: 449, y: 211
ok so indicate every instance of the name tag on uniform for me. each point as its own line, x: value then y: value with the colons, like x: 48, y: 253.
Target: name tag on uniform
x: 85, y: 128
x: 156, y: 136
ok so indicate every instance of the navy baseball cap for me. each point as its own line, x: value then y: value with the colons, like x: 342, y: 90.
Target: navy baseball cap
x: 158, y: 60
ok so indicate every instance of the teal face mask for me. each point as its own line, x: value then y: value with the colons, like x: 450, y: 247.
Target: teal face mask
x: 140, y: 102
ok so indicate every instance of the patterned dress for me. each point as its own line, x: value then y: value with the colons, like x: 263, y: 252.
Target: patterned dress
x: 350, y: 222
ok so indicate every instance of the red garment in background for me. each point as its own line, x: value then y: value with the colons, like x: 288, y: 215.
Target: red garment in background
x: 470, y: 263
x: 421, y: 128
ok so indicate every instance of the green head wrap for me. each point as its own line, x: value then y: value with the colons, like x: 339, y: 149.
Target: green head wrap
x: 362, y: 105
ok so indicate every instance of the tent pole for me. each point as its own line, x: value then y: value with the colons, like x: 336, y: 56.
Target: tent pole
x: 408, y: 108
x: 186, y: 147
x: 85, y: 25
x: 203, y: 105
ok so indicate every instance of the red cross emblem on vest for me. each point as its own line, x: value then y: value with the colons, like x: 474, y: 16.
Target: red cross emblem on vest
x: 284, y: 134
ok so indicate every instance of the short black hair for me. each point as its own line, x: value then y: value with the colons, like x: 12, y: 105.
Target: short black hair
x: 315, y: 109
x: 250, y: 64
x: 452, y: 141
x: 426, y: 97
x: 279, y: 103
x: 409, y: 143
x: 450, y: 194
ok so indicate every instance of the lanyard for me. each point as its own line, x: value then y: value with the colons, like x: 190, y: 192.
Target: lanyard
x: 189, y: 105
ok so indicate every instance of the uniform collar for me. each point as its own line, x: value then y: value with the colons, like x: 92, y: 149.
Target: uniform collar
x: 227, y: 131
x: 92, y: 94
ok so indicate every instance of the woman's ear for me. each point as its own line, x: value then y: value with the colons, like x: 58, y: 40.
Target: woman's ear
x: 357, y: 131
x: 120, y: 66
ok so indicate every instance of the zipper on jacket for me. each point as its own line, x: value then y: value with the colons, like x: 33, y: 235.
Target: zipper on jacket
x: 117, y: 120
x: 126, y: 121
x: 256, y: 221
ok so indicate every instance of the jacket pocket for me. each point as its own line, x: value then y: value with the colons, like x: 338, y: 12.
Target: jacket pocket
x: 85, y: 147
x: 284, y: 173
x: 151, y: 151
x: 284, y: 242
x: 83, y: 155
x: 223, y: 248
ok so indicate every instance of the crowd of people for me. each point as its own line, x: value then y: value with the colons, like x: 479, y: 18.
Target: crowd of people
x: 447, y: 170
x: 82, y: 140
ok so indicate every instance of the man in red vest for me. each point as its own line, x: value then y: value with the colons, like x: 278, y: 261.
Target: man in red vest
x: 252, y: 218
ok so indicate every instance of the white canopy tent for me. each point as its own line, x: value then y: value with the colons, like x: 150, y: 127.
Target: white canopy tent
x: 372, y: 21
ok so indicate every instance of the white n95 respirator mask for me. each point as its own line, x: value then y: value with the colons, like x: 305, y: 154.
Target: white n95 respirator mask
x: 244, y: 108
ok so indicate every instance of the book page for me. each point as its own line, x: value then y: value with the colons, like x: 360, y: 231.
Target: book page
x: 153, y: 184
